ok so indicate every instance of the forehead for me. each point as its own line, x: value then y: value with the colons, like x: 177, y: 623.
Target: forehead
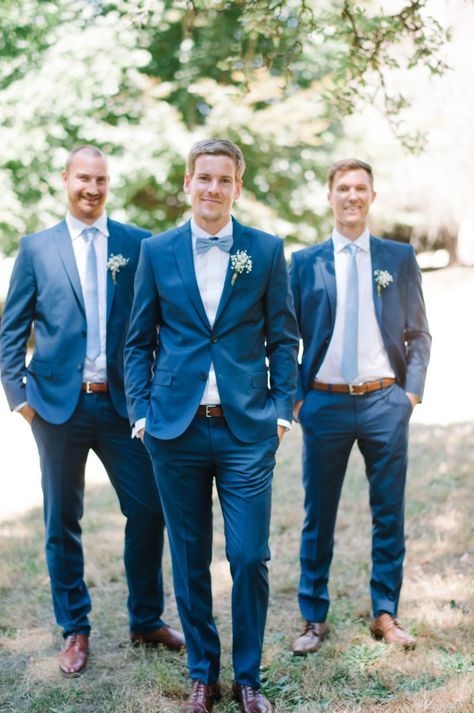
x: 87, y: 163
x: 219, y: 165
x: 352, y: 176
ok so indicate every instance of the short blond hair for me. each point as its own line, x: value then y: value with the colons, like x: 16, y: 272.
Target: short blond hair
x: 217, y: 147
x: 349, y: 164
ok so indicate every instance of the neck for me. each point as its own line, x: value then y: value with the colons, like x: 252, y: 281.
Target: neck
x: 351, y: 232
x: 211, y: 227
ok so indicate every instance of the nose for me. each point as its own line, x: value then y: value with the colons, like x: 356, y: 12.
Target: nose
x: 214, y: 186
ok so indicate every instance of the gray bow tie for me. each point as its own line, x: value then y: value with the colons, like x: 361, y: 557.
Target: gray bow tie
x: 224, y: 242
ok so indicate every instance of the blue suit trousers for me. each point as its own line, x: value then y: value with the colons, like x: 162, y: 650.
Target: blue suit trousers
x: 185, y: 469
x: 63, y: 450
x: 331, y: 424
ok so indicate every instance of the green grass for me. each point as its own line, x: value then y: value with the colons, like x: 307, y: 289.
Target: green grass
x: 351, y: 673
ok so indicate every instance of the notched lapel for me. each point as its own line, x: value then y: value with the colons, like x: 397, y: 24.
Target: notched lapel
x: 241, y: 241
x: 183, y: 250
x: 63, y: 243
x: 379, y: 262
x: 115, y: 246
x: 324, y: 269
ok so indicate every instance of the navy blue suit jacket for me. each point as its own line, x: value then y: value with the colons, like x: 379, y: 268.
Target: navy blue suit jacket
x: 45, y: 291
x: 171, y: 343
x: 400, y: 310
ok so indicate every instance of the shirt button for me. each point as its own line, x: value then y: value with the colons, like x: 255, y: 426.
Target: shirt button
x: 214, y: 339
x: 202, y: 376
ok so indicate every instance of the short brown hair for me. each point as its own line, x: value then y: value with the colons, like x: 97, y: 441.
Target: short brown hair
x: 217, y: 147
x: 86, y: 148
x: 349, y: 164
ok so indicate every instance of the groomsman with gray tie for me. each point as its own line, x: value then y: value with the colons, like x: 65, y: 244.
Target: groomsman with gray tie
x: 74, y: 283
x: 366, y: 347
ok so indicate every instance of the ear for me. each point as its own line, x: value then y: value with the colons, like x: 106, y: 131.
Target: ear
x: 187, y: 183
x: 238, y: 189
x: 64, y: 178
x: 374, y: 196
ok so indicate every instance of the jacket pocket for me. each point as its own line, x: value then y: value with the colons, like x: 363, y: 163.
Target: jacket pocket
x: 162, y: 378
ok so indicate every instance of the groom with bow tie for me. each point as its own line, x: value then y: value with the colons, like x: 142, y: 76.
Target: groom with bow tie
x: 72, y: 395
x: 210, y: 376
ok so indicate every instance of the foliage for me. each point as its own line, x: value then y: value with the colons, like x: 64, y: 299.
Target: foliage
x: 144, y: 79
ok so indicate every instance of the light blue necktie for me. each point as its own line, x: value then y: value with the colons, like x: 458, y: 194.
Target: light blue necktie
x: 91, y: 295
x: 224, y: 242
x: 349, y: 362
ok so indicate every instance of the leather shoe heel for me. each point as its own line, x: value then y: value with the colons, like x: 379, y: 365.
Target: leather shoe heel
x: 73, y: 658
x: 251, y: 700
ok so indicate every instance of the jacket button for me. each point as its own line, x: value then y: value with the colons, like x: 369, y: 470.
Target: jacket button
x: 84, y: 333
x: 79, y: 367
x: 214, y: 339
x: 202, y: 376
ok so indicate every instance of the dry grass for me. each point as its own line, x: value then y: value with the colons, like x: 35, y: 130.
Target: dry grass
x: 352, y: 673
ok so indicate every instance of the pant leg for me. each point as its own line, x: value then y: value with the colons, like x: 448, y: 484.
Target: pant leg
x: 184, y: 472
x: 63, y: 453
x: 129, y: 469
x: 329, y: 429
x: 244, y: 479
x: 384, y: 444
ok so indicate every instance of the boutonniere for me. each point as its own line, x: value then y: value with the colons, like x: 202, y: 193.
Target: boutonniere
x: 240, y: 262
x: 382, y: 279
x: 114, y: 263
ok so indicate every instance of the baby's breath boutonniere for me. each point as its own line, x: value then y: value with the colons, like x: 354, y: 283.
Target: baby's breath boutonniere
x: 114, y: 263
x: 382, y: 279
x: 240, y: 262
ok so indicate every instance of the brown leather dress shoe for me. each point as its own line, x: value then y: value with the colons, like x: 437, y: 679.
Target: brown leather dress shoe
x: 388, y: 628
x: 73, y: 658
x: 202, y: 697
x: 251, y: 700
x: 170, y: 638
x: 311, y: 638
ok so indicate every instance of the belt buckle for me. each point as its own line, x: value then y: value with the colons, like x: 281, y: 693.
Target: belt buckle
x: 209, y: 406
x: 355, y: 393
x: 88, y: 387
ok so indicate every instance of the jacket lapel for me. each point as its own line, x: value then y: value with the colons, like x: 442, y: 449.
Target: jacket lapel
x: 114, y: 247
x: 64, y: 247
x: 324, y: 269
x: 377, y: 258
x: 240, y: 242
x: 183, y: 249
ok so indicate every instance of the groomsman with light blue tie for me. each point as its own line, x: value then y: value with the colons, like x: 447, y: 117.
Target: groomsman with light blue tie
x: 366, y: 347
x: 212, y: 305
x: 74, y: 283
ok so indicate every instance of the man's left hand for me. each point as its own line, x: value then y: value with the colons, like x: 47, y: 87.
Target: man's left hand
x: 281, y: 432
x: 414, y: 399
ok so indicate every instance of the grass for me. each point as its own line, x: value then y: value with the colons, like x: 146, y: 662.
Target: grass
x: 351, y: 674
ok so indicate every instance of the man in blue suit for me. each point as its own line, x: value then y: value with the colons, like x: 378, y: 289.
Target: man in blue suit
x: 210, y: 363
x: 74, y: 283
x: 361, y: 316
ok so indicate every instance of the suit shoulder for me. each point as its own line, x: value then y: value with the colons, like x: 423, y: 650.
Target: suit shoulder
x: 401, y: 251
x: 310, y: 253
x: 33, y: 240
x: 132, y: 231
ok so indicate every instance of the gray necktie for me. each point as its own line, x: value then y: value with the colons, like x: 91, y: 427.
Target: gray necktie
x: 91, y: 295
x: 349, y: 362
x: 224, y: 242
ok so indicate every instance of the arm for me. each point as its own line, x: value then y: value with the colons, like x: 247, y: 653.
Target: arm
x: 417, y: 335
x: 17, y: 321
x: 142, y: 340
x: 281, y: 336
x: 295, y: 288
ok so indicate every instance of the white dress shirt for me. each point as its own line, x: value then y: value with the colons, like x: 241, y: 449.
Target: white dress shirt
x: 373, y: 360
x: 95, y: 370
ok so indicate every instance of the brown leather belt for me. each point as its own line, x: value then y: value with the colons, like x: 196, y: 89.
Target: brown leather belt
x: 210, y: 411
x: 353, y: 389
x: 90, y: 388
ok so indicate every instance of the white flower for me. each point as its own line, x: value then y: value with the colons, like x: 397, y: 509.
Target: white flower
x: 240, y: 262
x: 382, y: 279
x: 114, y: 263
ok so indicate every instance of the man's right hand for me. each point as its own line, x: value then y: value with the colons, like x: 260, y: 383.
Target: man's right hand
x: 297, y: 409
x: 28, y: 413
x: 141, y: 434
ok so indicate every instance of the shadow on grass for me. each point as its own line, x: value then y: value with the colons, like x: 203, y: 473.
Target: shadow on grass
x: 351, y: 672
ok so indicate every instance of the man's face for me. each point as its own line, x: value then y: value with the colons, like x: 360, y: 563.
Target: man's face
x: 87, y: 184
x: 213, y: 187
x: 350, y: 197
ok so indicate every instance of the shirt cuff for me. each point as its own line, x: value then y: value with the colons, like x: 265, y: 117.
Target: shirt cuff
x: 20, y: 406
x: 137, y: 427
x: 286, y: 424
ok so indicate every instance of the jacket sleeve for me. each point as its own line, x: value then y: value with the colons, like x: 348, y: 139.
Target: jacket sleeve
x: 417, y: 335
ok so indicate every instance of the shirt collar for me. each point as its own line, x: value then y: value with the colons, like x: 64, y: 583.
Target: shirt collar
x: 198, y: 232
x: 76, y: 226
x: 340, y: 241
